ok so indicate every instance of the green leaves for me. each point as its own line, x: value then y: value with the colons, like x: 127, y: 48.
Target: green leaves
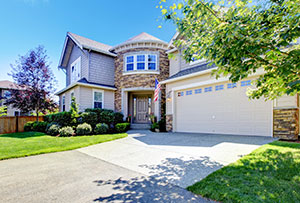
x: 242, y: 38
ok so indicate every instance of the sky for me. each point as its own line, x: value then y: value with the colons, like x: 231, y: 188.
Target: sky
x: 26, y: 24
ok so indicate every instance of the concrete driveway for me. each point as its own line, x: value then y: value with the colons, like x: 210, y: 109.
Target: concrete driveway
x: 144, y: 167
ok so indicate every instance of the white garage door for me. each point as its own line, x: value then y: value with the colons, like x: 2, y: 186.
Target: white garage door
x: 222, y: 108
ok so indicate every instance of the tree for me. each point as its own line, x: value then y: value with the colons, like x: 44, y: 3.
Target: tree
x: 35, y: 83
x: 74, y: 111
x: 241, y: 37
x: 3, y: 110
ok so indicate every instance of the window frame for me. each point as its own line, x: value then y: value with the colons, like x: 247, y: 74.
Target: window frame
x: 99, y: 91
x: 63, y: 102
x: 77, y: 77
x: 146, y: 63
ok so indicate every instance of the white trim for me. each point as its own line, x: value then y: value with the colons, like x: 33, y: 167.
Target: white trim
x: 99, y: 50
x: 171, y: 50
x: 72, y: 91
x: 101, y: 91
x: 77, y: 62
x: 135, y: 62
x: 141, y: 72
x: 199, y: 61
x: 173, y: 38
x: 86, y: 85
x: 63, y: 51
x: 187, y: 76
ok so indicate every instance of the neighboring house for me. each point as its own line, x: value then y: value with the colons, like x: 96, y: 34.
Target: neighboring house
x: 5, y: 86
x: 122, y: 78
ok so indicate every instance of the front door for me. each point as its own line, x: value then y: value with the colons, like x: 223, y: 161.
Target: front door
x: 142, y: 107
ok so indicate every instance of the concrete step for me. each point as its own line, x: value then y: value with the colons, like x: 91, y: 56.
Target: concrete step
x: 140, y: 126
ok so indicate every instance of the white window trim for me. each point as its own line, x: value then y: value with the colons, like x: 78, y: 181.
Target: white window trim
x: 97, y: 90
x: 62, y: 102
x: 146, y: 70
x: 78, y: 60
x: 71, y: 97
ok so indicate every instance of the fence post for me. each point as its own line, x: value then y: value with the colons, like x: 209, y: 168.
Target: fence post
x: 17, y: 123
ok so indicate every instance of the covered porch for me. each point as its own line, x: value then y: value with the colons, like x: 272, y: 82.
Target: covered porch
x: 139, y: 104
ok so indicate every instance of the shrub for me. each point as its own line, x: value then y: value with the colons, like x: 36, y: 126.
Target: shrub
x: 39, y: 126
x: 122, y: 127
x: 61, y: 118
x: 84, y: 129
x: 154, y: 126
x: 28, y: 126
x: 118, y: 118
x: 53, y: 130
x: 101, y: 128
x: 66, y: 131
x: 107, y: 116
x: 89, y: 117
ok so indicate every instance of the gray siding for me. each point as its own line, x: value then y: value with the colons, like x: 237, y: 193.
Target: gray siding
x: 76, y: 53
x: 102, y: 69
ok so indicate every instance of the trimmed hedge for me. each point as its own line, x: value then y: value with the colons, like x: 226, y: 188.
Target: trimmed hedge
x: 84, y: 129
x: 62, y: 118
x: 66, y: 131
x: 122, y: 127
x: 28, y: 126
x: 107, y: 116
x: 101, y: 128
x: 39, y: 126
x: 88, y: 117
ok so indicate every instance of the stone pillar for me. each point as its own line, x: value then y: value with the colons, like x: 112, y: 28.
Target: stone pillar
x: 169, y: 122
x: 286, y: 123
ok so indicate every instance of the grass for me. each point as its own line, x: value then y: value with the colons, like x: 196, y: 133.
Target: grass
x: 269, y: 174
x: 15, y: 145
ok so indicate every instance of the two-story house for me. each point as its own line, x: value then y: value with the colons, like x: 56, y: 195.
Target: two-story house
x: 122, y: 78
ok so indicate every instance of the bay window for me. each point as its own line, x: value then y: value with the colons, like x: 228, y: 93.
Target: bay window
x: 141, y: 62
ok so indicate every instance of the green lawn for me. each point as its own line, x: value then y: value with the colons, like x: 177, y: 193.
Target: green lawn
x: 15, y: 145
x: 269, y: 174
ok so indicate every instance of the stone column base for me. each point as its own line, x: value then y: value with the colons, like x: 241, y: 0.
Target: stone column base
x: 169, y: 123
x: 286, y: 123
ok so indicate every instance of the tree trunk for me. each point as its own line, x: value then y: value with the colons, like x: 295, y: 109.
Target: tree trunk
x: 37, y: 114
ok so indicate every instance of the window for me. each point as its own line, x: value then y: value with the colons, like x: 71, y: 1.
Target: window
x: 189, y: 92
x: 6, y: 94
x: 17, y: 113
x: 76, y: 70
x: 231, y: 85
x: 141, y: 62
x: 208, y: 89
x: 219, y: 87
x: 246, y: 83
x: 98, y: 99
x: 198, y: 91
x: 63, y: 103
x: 72, y: 95
x: 180, y: 94
x: 152, y: 62
x: 129, y: 63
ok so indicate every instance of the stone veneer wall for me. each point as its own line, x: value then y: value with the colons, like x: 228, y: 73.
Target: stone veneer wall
x: 286, y: 123
x: 169, y: 123
x: 140, y: 80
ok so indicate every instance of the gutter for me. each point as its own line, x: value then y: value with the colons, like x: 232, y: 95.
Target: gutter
x: 187, y: 76
x: 86, y: 85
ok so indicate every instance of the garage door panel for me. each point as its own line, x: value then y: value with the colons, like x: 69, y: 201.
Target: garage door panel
x: 227, y: 111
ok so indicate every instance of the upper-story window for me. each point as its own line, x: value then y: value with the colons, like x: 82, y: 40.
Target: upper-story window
x: 76, y: 70
x: 141, y: 62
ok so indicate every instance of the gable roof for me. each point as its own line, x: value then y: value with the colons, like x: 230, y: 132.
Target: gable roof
x: 143, y: 37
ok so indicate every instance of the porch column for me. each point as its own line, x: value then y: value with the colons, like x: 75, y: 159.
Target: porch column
x: 124, y: 100
x: 157, y: 107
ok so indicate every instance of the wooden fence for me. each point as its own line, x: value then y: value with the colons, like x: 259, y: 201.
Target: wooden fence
x: 12, y: 124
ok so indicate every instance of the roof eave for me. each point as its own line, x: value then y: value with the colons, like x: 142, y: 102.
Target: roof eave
x: 138, y: 41
x: 187, y: 76
x: 100, y: 51
x: 86, y: 85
